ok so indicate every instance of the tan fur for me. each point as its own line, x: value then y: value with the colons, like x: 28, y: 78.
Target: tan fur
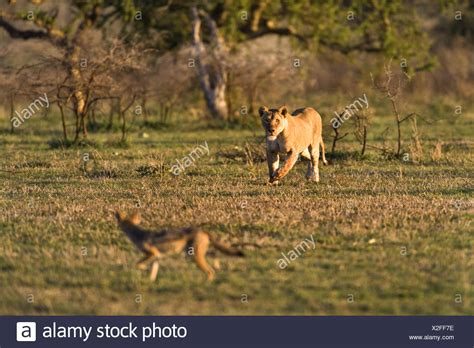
x: 156, y: 245
x: 297, y: 134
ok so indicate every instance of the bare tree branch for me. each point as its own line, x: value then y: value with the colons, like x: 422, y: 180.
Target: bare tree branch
x: 16, y: 33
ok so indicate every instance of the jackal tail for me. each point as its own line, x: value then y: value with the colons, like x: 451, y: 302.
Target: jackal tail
x: 226, y: 249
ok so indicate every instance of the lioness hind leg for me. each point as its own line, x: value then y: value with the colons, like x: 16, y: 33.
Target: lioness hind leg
x: 305, y: 154
x: 310, y: 171
x: 314, y: 151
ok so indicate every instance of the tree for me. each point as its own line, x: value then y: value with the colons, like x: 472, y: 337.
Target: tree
x: 81, y: 18
x: 212, y: 77
x: 216, y: 27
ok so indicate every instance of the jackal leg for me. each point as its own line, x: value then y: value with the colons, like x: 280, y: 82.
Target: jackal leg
x: 154, y: 270
x: 151, y: 254
x: 143, y: 262
x: 201, y: 244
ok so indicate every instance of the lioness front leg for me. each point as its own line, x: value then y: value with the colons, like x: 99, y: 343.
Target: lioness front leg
x: 289, y: 163
x: 273, y: 160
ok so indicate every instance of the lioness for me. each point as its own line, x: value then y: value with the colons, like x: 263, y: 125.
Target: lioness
x: 298, y: 134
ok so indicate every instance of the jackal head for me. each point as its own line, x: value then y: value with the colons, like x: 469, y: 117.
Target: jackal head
x: 122, y: 217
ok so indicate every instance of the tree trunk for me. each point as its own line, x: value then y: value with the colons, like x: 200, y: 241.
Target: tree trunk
x: 112, y: 111
x: 399, y: 131
x: 12, y: 113
x: 145, y: 109
x: 84, y: 125
x: 364, y: 141
x: 78, y: 96
x: 124, y: 126
x: 123, y: 120
x: 122, y: 113
x: 63, y: 121
x: 252, y: 99
x: 228, y: 96
x: 78, y: 122
x: 92, y: 117
x: 212, y: 79
x: 334, y: 140
x: 167, y: 112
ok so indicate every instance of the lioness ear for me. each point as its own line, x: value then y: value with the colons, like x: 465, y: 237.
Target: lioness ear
x: 135, y: 218
x: 262, y: 110
x: 283, y: 110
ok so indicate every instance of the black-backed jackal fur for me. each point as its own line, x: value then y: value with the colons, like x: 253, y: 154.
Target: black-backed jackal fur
x: 156, y: 245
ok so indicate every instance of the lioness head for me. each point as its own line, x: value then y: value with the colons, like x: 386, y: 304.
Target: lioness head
x: 273, y: 120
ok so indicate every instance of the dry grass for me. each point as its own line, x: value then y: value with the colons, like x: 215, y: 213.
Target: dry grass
x: 395, y: 235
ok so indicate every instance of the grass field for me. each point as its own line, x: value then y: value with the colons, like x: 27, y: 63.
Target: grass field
x: 392, y: 236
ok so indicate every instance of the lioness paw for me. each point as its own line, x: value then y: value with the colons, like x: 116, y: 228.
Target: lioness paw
x: 312, y: 178
x: 275, y: 177
x: 272, y: 182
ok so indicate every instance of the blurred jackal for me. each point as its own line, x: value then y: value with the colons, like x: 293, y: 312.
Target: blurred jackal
x: 156, y: 245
